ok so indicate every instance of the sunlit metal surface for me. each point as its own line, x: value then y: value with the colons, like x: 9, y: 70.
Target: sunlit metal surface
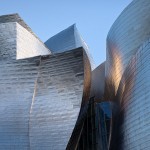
x: 128, y: 32
x: 134, y: 98
x: 66, y: 40
x: 16, y: 18
x: 45, y: 97
x: 57, y: 100
x: 73, y: 142
x: 28, y: 45
x: 24, y: 44
x: 127, y: 77
x: 40, y: 96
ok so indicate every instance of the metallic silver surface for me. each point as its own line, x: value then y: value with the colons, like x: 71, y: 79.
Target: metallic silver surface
x: 16, y: 18
x: 126, y: 35
x: 133, y: 93
x: 127, y: 78
x: 28, y: 45
x: 73, y: 142
x: 66, y: 40
x: 98, y: 82
x: 44, y: 97
x: 40, y: 96
x: 57, y: 100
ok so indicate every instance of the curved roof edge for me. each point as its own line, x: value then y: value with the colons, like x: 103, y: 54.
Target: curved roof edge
x: 66, y: 40
x: 125, y: 9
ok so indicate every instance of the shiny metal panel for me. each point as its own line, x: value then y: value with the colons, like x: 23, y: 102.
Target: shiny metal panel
x: 66, y: 40
x: 8, y: 39
x: 28, y: 45
x: 98, y: 82
x: 17, y: 81
x: 57, y: 100
x: 127, y: 77
x: 73, y: 142
x: 63, y: 41
x: 16, y: 18
x: 41, y: 97
x: 135, y: 103
x: 128, y: 32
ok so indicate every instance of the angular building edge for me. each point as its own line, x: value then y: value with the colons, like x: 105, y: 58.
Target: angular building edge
x: 18, y: 54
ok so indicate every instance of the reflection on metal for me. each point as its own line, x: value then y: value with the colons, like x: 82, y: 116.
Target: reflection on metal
x: 98, y: 82
x: 126, y: 35
x: 103, y: 119
x: 66, y: 40
x: 41, y: 93
x: 127, y: 78
x: 95, y: 131
x: 45, y: 94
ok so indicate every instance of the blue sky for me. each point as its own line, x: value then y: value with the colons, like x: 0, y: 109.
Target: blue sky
x: 93, y: 18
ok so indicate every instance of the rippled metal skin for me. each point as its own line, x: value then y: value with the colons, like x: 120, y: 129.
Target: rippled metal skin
x: 41, y: 94
x: 135, y: 101
x: 126, y: 35
x: 57, y: 100
x: 127, y: 77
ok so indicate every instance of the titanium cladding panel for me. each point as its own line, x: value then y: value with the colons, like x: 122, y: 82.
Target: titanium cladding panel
x: 57, y: 100
x: 66, y: 40
x: 28, y: 45
x: 127, y: 77
x: 40, y: 102
x: 40, y: 96
x: 128, y: 32
x: 98, y: 82
x: 135, y: 101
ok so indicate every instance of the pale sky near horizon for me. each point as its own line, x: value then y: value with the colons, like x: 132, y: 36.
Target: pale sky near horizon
x: 48, y: 17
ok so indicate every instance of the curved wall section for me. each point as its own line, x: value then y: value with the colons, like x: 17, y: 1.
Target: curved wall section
x: 66, y: 40
x: 57, y: 100
x: 41, y: 97
x: 17, y: 81
x: 129, y: 31
x: 44, y: 100
x: 74, y: 139
x: 98, y: 82
x: 134, y: 95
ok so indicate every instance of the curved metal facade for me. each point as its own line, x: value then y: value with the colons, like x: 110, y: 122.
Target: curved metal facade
x: 126, y: 35
x: 41, y: 94
x: 51, y: 100
x: 127, y: 77
x: 133, y: 115
x: 98, y: 82
x: 66, y: 40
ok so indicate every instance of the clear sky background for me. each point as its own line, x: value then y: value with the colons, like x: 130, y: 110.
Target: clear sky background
x: 93, y: 18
